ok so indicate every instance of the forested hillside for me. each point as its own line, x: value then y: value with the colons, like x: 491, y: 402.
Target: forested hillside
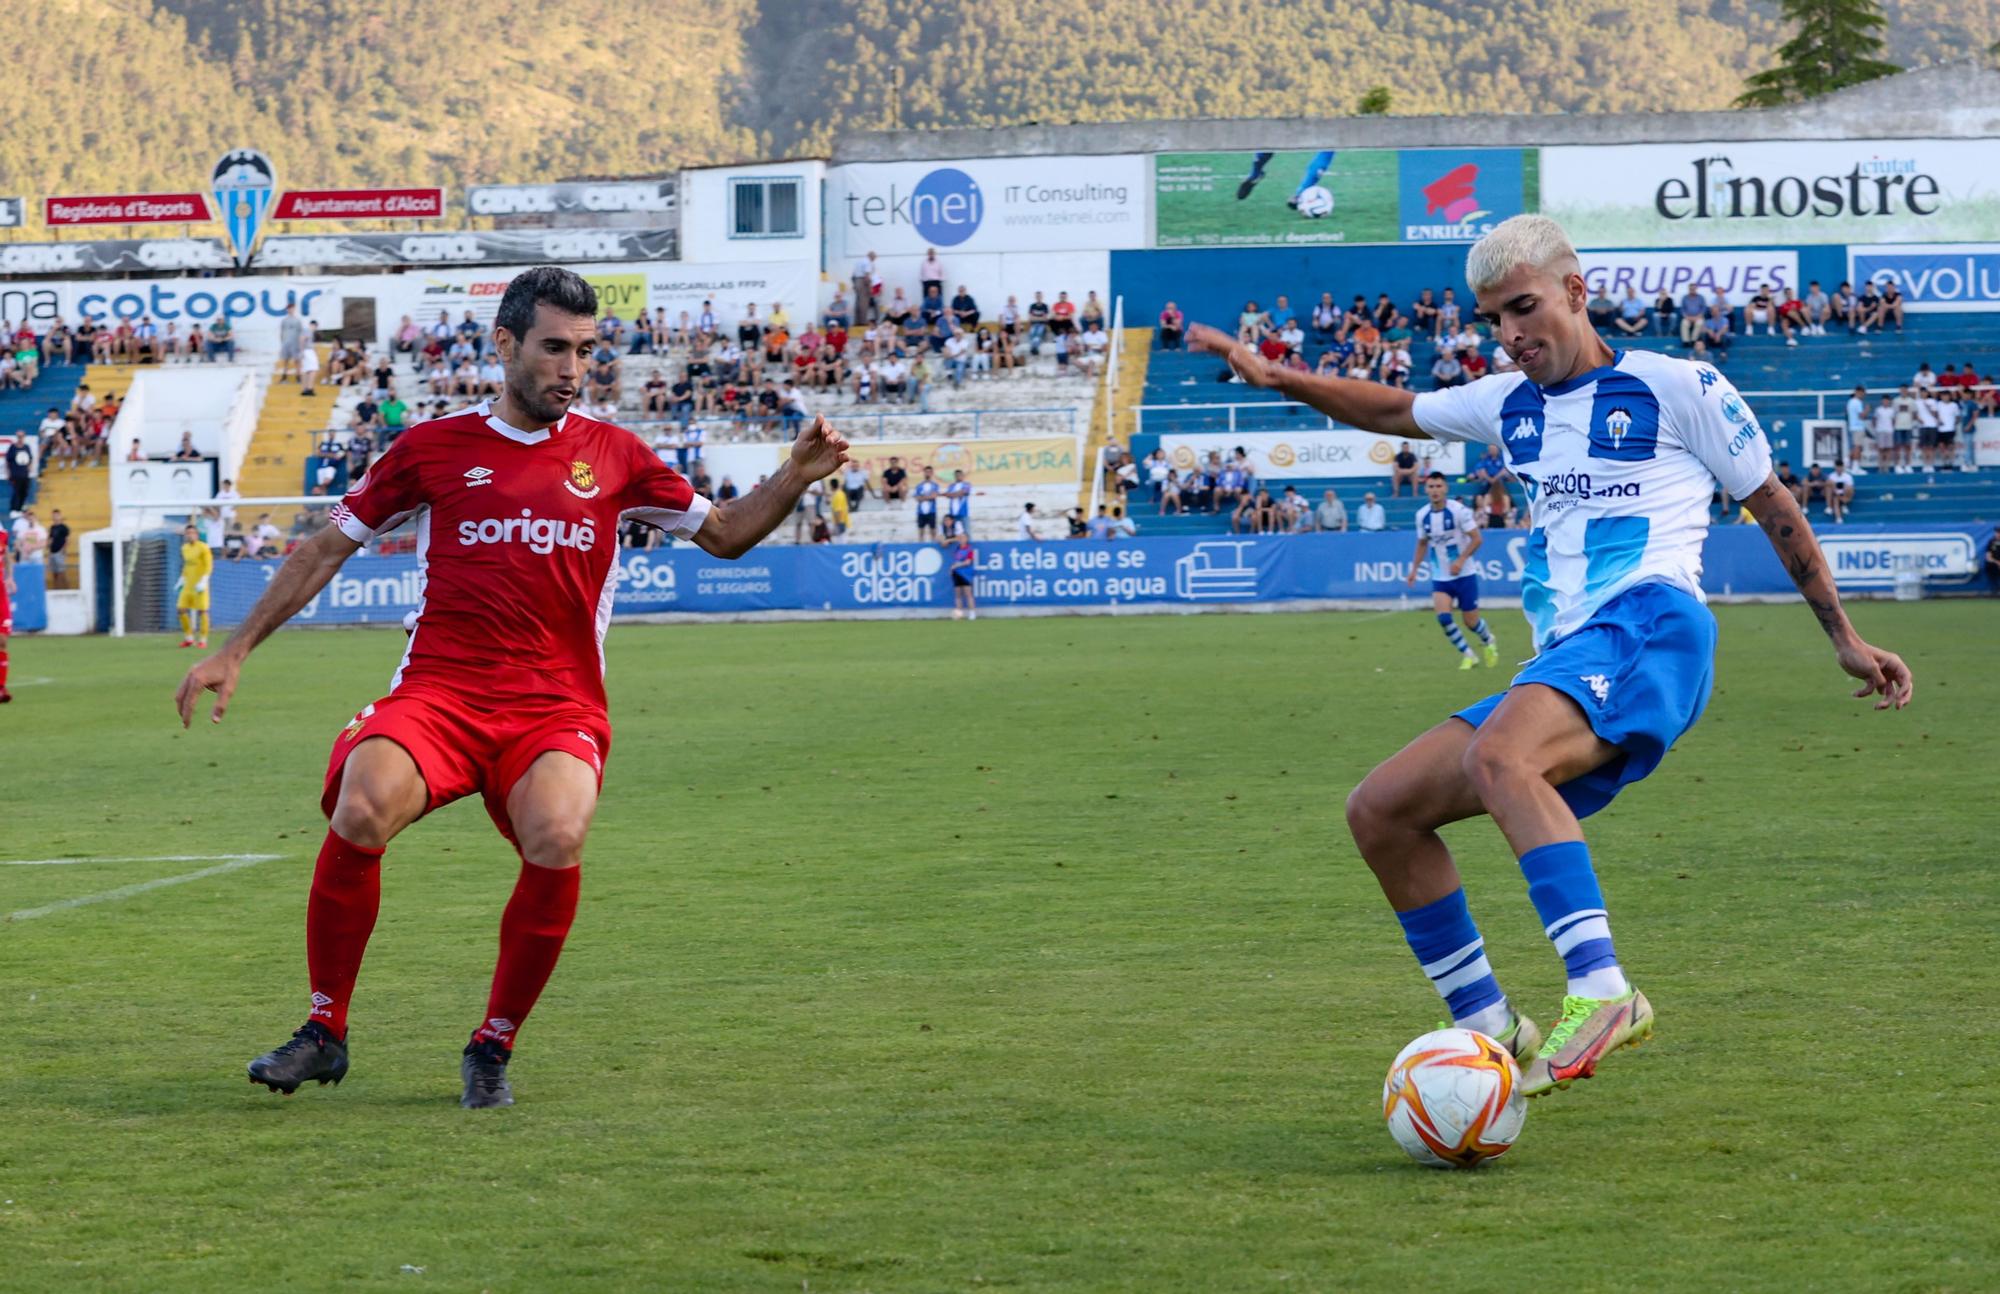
x: 124, y: 95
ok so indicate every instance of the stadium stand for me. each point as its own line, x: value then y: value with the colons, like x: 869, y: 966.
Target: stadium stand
x: 1786, y: 384
x: 82, y: 493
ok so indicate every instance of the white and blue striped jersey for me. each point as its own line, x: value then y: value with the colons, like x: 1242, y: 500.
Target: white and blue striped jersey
x: 1619, y: 466
x: 1447, y: 530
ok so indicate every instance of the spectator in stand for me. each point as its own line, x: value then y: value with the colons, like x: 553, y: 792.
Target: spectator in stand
x: 964, y: 309
x: 57, y: 549
x: 471, y: 332
x: 1906, y: 426
x: 1818, y: 308
x: 1325, y: 319
x: 1665, y: 312
x: 1156, y: 472
x: 1395, y: 364
x: 222, y: 338
x: 1715, y: 329
x: 1474, y: 363
x: 1882, y: 431
x: 1843, y: 306
x: 1489, y: 469
x: 1100, y: 525
x: 1792, y: 316
x: 20, y: 472
x: 1294, y: 513
x: 1601, y: 309
x: 930, y: 275
x: 1447, y: 316
x: 1924, y: 379
x: 1091, y: 313
x: 1857, y: 415
x: 1122, y: 526
x: 1172, y: 322
x: 865, y: 278
x: 1761, y: 311
x: 1839, y: 491
x: 1252, y: 323
x: 1928, y: 421
x: 1699, y: 353
x: 839, y: 312
x: 1498, y: 506
x: 1447, y: 371
x: 1039, y: 316
x: 895, y: 482
x: 1867, y: 307
x: 1169, y: 497
x: 1062, y: 315
x: 492, y: 379
x: 1404, y: 471
x: 1331, y: 514
x: 1891, y: 307
x: 1694, y: 310
x: 1367, y: 339
x: 1949, y: 412
x: 957, y: 355
x: 1423, y: 314
x: 1631, y: 320
x: 186, y: 452
x: 1231, y: 490
x: 1291, y: 335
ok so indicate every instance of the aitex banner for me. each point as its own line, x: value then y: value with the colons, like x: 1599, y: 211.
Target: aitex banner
x: 360, y: 204
x: 1308, y: 455
x: 126, y: 209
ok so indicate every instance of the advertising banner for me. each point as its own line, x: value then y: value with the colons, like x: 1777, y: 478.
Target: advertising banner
x: 107, y: 255
x: 359, y: 204
x: 1279, y: 199
x: 1792, y: 191
x: 1986, y: 442
x: 469, y: 247
x: 1740, y: 274
x: 1083, y: 574
x: 985, y: 205
x: 1307, y: 455
x: 13, y: 212
x: 1027, y: 460
x: 619, y: 196
x: 1946, y: 278
x: 626, y: 287
x: 126, y: 209
x: 253, y: 305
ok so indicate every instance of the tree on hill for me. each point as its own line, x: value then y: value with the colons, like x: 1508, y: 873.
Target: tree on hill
x: 1375, y: 103
x: 1839, y: 43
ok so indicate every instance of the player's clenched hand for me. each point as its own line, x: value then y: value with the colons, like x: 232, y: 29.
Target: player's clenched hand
x: 1249, y: 365
x: 819, y: 451
x: 217, y: 674
x: 1879, y: 671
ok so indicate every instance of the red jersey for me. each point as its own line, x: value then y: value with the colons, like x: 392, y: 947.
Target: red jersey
x: 516, y: 536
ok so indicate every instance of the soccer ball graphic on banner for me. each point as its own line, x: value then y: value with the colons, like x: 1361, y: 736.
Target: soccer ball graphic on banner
x: 1316, y: 202
x: 1453, y: 1099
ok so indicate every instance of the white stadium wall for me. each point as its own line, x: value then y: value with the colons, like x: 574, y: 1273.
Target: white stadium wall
x: 709, y: 232
x: 994, y: 276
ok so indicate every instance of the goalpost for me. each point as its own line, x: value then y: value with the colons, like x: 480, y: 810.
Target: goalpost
x: 249, y: 537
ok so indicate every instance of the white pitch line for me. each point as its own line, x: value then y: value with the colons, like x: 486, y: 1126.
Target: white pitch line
x: 139, y: 858
x: 127, y: 891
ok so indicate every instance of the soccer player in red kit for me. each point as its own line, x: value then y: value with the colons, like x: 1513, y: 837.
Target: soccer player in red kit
x: 517, y: 504
x: 6, y: 611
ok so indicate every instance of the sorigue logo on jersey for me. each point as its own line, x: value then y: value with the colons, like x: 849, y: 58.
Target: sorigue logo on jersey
x: 540, y: 534
x: 582, y: 480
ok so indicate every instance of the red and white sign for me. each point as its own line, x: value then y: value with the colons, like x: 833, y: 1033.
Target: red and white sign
x: 126, y: 209
x: 359, y: 204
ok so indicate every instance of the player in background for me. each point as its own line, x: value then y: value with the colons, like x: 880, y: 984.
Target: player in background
x: 6, y: 611
x: 959, y: 498
x: 964, y: 567
x: 1450, y: 530
x: 197, y: 565
x: 518, y: 504
x: 926, y: 494
x: 1314, y: 169
x: 1619, y: 453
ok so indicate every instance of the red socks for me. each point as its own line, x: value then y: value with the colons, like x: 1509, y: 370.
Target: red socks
x: 532, y: 931
x: 3, y: 669
x: 340, y: 915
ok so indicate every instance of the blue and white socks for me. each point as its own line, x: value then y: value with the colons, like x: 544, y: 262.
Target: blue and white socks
x: 1451, y: 952
x: 1563, y: 887
x: 1453, y: 634
x: 1485, y: 633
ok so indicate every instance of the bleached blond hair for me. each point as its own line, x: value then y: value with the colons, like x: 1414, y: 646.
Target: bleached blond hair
x: 1535, y: 241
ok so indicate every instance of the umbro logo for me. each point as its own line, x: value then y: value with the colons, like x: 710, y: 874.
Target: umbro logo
x: 321, y: 999
x: 1600, y: 686
x: 500, y: 1025
x: 479, y: 476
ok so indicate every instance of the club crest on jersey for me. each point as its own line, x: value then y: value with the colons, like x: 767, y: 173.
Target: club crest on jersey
x: 582, y: 480
x: 1618, y: 423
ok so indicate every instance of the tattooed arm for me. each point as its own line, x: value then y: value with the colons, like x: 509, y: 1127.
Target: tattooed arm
x: 1786, y: 527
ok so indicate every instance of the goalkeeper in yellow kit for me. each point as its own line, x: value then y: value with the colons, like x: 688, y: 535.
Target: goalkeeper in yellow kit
x: 197, y: 564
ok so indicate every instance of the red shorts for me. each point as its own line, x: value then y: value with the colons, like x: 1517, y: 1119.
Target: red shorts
x: 459, y: 749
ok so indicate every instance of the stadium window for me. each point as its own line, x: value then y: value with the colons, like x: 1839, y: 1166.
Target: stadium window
x: 765, y: 208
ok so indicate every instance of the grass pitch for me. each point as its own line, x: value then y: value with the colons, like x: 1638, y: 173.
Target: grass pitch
x: 1027, y: 954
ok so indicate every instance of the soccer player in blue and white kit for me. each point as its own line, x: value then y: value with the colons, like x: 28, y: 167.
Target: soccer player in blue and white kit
x: 958, y: 496
x: 1450, y: 530
x: 1619, y: 453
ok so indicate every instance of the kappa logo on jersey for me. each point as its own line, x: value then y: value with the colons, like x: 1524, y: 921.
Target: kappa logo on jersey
x: 1523, y: 420
x: 479, y: 476
x: 1708, y: 377
x: 540, y: 534
x: 582, y: 480
x: 1600, y: 686
x: 1525, y: 429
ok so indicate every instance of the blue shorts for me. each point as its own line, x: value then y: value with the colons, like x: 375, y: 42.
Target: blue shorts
x: 1464, y: 590
x: 1640, y: 670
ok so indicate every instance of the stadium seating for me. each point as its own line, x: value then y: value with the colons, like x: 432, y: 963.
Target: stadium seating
x: 1832, y: 365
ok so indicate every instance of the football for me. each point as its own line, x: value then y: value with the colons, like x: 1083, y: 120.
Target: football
x: 1453, y: 1099
x: 1316, y: 202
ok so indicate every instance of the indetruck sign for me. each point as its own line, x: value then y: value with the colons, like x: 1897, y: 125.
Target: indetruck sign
x: 1943, y: 278
x: 126, y: 209
x: 1795, y: 191
x: 1007, y: 204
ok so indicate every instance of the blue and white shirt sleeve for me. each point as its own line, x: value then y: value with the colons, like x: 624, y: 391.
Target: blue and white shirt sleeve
x: 1715, y: 425
x: 1470, y: 412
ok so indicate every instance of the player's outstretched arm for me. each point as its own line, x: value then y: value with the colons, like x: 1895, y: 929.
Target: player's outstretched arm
x: 1791, y: 535
x: 734, y: 528
x: 1371, y: 406
x: 297, y: 582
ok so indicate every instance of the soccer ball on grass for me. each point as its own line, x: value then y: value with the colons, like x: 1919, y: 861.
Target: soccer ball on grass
x: 1453, y: 1099
x: 1316, y: 202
